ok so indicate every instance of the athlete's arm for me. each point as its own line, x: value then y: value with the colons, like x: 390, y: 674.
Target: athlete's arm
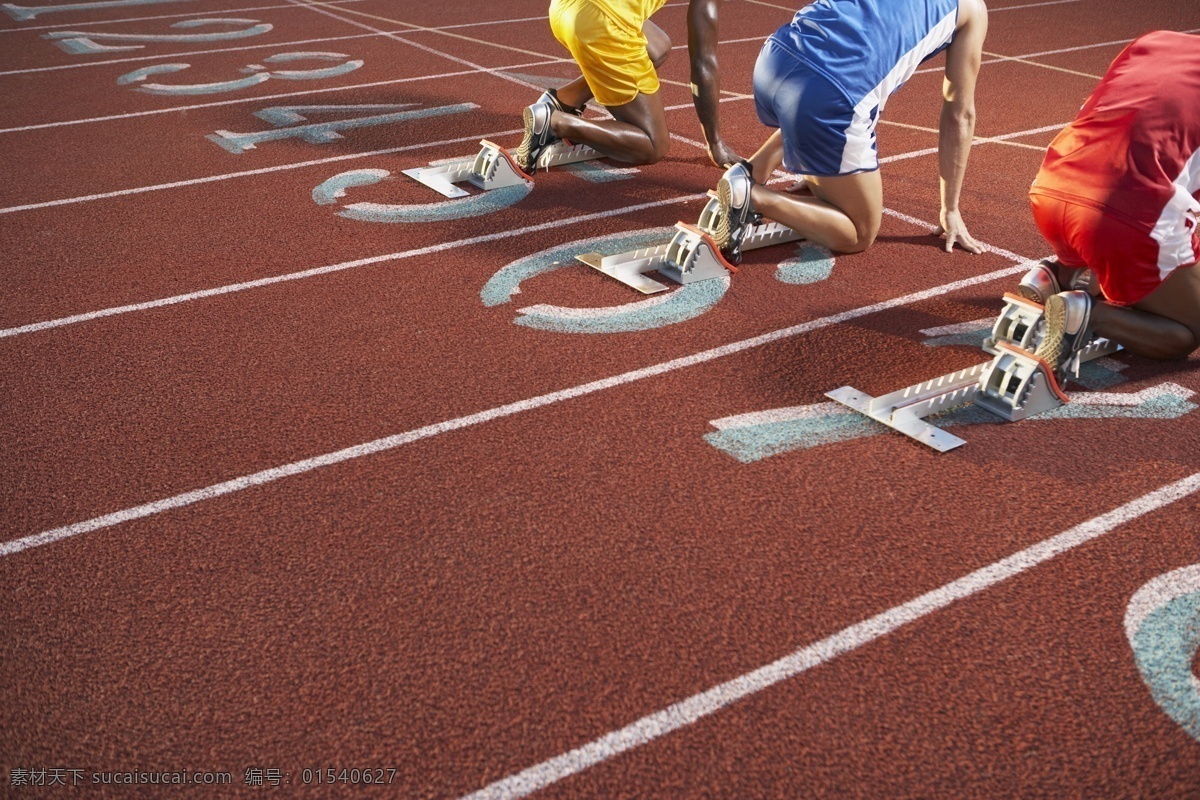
x: 957, y: 128
x: 706, y: 76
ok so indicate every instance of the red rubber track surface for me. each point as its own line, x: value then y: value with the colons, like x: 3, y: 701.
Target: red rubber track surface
x: 499, y: 591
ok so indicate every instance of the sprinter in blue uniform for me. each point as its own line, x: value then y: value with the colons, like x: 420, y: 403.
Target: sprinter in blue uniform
x: 822, y: 81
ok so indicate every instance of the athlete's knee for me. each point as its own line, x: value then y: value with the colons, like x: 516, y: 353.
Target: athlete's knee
x: 866, y: 233
x: 1180, y: 343
x: 653, y: 152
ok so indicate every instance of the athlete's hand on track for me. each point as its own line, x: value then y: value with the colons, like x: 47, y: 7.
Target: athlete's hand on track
x: 955, y: 231
x: 722, y: 154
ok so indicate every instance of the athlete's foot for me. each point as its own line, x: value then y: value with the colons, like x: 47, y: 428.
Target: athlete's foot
x: 1050, y: 277
x: 1040, y: 283
x: 551, y: 96
x: 538, y: 133
x: 1068, y: 328
x: 737, y: 210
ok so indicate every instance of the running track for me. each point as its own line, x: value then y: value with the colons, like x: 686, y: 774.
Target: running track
x: 289, y: 485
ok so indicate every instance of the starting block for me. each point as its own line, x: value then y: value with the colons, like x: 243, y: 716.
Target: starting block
x: 691, y: 255
x: 1014, y: 385
x: 494, y: 167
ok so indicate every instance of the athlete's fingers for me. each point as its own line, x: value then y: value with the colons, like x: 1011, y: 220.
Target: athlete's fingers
x: 968, y: 243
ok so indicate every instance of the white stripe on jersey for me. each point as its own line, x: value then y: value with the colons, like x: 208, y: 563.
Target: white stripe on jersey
x: 1177, y: 224
x: 858, y: 154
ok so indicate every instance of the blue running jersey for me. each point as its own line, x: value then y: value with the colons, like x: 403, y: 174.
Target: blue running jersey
x: 865, y: 50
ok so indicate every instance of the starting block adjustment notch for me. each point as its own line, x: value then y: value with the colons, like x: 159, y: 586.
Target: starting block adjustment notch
x: 904, y: 410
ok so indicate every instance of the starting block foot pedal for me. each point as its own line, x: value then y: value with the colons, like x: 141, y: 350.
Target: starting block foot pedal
x: 691, y: 256
x: 1019, y: 324
x: 494, y: 167
x: 1017, y: 384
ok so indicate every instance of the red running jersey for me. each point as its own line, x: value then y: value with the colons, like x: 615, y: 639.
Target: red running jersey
x: 1132, y: 151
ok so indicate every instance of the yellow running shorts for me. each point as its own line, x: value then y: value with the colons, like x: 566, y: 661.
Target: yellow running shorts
x: 609, y: 48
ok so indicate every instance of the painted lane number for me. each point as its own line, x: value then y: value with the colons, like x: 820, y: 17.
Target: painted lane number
x: 291, y: 122
x: 257, y: 73
x: 82, y: 42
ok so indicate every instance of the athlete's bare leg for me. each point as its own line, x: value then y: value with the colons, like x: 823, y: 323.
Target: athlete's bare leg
x: 1166, y: 325
x: 637, y: 134
x: 843, y: 213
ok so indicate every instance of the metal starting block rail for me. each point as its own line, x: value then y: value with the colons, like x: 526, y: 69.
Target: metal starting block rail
x: 494, y: 167
x: 1014, y: 385
x: 691, y: 255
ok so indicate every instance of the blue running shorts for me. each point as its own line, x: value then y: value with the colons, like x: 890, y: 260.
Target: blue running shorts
x: 813, y: 115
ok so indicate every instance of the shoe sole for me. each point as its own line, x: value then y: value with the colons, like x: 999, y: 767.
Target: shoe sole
x: 723, y: 232
x: 1033, y: 295
x: 1029, y: 294
x: 522, y: 153
x: 1051, y: 350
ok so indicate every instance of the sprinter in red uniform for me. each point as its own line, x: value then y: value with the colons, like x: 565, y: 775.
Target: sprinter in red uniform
x: 1118, y: 194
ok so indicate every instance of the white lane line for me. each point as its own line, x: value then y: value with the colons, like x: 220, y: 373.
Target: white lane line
x: 261, y: 171
x: 1030, y: 5
x: 340, y: 267
x: 686, y: 712
x: 170, y: 56
x: 196, y: 13
x: 1040, y: 65
x: 920, y: 223
x: 391, y: 442
x: 317, y: 7
x: 244, y: 100
x: 351, y: 156
x: 238, y: 287
x: 1040, y: 53
x: 455, y: 75
x: 243, y: 286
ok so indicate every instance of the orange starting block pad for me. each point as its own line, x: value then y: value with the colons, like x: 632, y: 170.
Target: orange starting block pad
x: 494, y: 167
x: 689, y: 257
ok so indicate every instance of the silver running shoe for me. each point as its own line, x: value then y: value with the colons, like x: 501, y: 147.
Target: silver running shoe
x: 1049, y: 278
x: 538, y: 134
x: 1068, y: 327
x: 737, y: 211
x: 551, y: 96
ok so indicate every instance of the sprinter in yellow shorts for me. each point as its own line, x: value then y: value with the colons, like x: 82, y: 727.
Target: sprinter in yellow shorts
x: 618, y: 49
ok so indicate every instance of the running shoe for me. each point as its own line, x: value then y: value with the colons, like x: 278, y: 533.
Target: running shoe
x: 1040, y: 283
x: 551, y: 96
x: 1050, y: 277
x: 1068, y: 327
x: 737, y: 211
x: 538, y: 134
